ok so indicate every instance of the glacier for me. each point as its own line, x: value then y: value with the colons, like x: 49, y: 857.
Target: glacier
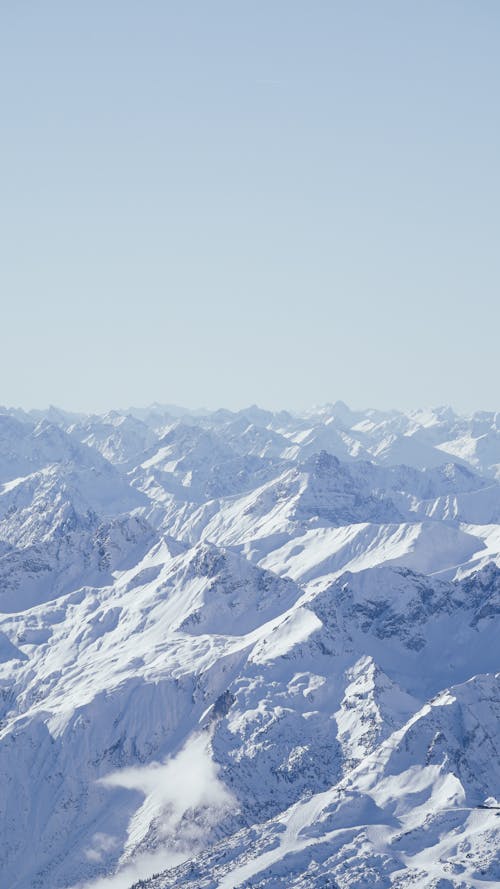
x: 249, y: 649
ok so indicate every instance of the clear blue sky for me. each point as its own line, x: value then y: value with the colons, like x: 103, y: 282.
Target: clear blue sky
x: 217, y: 203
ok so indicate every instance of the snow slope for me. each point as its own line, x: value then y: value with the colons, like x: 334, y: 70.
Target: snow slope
x: 249, y: 649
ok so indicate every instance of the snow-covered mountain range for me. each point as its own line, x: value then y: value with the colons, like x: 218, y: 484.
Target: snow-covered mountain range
x: 249, y: 649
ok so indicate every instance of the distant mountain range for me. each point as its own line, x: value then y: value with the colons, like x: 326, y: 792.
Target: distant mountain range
x: 249, y: 649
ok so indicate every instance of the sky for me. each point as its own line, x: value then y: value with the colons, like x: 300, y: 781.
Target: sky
x: 221, y: 203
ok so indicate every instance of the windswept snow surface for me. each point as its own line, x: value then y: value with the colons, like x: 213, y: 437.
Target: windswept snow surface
x: 249, y: 649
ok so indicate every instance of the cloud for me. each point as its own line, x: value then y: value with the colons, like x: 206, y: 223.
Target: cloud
x: 102, y: 843
x: 172, y: 790
x: 144, y: 866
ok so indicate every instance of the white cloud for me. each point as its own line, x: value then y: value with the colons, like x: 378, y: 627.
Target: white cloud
x: 187, y: 781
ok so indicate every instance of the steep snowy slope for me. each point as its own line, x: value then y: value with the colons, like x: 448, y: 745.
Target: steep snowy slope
x: 402, y: 777
x: 249, y: 649
x: 482, y: 451
x: 121, y: 439
x: 418, y: 812
x: 334, y: 515
x: 26, y: 448
x: 195, y: 464
x: 319, y: 556
x: 62, y: 526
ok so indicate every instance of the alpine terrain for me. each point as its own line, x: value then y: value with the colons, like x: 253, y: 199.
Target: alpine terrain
x: 249, y: 649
